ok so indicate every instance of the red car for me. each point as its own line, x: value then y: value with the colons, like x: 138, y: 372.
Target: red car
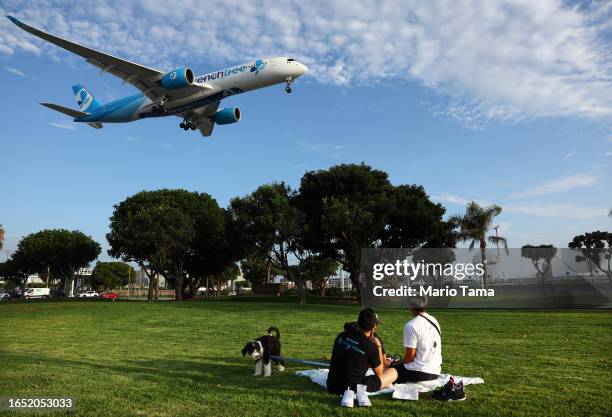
x: 109, y: 295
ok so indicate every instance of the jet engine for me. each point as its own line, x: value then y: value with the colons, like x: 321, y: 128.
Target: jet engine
x: 227, y: 116
x: 179, y: 78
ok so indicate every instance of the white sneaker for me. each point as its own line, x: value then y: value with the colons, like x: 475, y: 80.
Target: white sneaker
x: 348, y: 399
x: 362, y: 396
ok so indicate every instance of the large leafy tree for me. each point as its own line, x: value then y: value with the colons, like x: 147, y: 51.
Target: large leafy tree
x: 62, y: 252
x: 541, y: 257
x: 596, y: 248
x: 351, y: 207
x: 112, y: 274
x: 274, y: 226
x: 474, y: 225
x: 161, y: 231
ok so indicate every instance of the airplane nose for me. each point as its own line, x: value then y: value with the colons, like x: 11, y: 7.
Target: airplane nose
x: 301, y: 69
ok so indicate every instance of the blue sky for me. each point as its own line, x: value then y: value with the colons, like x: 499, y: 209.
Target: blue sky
x: 508, y: 104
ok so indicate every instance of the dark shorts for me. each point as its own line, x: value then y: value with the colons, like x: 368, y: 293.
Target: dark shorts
x: 372, y: 383
x: 407, y: 375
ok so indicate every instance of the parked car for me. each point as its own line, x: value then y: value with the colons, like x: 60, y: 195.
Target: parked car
x: 36, y: 293
x: 110, y: 295
x: 89, y: 294
x: 58, y: 293
x: 5, y: 295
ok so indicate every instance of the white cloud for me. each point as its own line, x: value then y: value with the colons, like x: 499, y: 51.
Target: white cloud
x: 451, y: 198
x: 503, y: 61
x: 15, y: 71
x: 569, y: 155
x: 62, y: 125
x: 560, y: 185
x: 566, y: 211
x: 560, y: 210
x: 318, y: 147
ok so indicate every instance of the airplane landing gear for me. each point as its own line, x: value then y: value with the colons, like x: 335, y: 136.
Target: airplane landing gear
x: 288, y: 87
x: 186, y: 125
x: 159, y: 108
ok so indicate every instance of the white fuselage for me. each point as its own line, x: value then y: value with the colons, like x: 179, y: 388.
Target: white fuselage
x: 217, y: 86
x: 231, y: 81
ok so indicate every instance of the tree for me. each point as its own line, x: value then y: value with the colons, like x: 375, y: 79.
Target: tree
x: 15, y: 272
x: 541, y: 257
x: 220, y: 279
x: 257, y: 269
x: 215, y: 251
x: 596, y: 248
x: 111, y: 274
x: 318, y: 270
x: 274, y: 226
x: 61, y: 251
x: 474, y: 225
x: 1, y: 237
x: 160, y: 230
x: 351, y: 207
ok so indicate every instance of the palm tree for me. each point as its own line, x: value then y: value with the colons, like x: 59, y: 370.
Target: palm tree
x: 474, y: 224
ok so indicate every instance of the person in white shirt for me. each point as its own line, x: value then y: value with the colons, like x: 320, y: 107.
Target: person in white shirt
x: 422, y: 344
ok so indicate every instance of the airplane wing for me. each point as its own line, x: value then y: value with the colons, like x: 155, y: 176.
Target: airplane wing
x: 144, y: 78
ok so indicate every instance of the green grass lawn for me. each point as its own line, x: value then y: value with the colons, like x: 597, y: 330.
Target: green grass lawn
x: 183, y: 359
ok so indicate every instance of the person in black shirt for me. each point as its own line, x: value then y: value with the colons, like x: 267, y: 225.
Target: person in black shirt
x: 355, y: 350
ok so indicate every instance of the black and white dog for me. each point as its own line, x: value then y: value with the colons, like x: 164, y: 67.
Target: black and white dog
x: 261, y: 350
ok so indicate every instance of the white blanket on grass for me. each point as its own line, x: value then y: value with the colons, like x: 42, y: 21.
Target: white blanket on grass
x: 319, y: 377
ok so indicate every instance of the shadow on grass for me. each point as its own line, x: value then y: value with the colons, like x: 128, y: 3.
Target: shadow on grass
x: 204, y: 374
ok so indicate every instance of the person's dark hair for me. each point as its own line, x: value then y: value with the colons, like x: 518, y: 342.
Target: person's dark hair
x: 367, y: 319
x: 417, y: 303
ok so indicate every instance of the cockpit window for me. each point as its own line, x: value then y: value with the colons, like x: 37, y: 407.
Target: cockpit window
x: 290, y: 59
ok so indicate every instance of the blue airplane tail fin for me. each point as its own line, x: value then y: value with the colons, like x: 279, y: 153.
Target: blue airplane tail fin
x: 85, y: 100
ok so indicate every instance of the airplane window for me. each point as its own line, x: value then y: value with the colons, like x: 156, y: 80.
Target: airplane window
x: 290, y: 59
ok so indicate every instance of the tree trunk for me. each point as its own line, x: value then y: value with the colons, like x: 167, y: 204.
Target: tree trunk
x: 324, y: 286
x: 151, y: 283
x: 483, y: 254
x: 179, y: 287
x: 157, y: 287
x: 194, y: 284
x: 354, y: 277
x: 301, y: 290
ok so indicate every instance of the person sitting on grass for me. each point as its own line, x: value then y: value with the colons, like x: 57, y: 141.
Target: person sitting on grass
x: 423, y: 355
x: 423, y: 345
x: 355, y: 350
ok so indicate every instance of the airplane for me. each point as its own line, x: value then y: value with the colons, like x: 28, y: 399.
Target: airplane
x: 174, y: 93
